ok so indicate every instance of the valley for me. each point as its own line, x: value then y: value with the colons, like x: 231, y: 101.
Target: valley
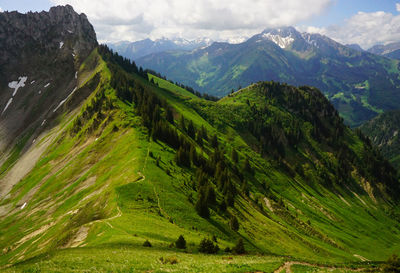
x: 112, y: 165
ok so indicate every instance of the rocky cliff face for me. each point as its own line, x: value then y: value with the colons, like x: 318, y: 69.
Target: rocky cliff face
x: 39, y: 33
x: 40, y: 54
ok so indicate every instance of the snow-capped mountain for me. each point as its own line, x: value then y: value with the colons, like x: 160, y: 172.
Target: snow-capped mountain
x: 135, y: 50
x: 348, y: 76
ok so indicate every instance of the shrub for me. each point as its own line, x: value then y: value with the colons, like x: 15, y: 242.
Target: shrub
x: 392, y: 265
x: 169, y: 260
x: 181, y: 242
x: 239, y: 247
x: 207, y: 246
x: 147, y: 244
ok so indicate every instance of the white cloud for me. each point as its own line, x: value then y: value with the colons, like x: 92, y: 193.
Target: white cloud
x: 219, y: 20
x: 365, y: 29
x: 1, y: 10
x: 398, y: 7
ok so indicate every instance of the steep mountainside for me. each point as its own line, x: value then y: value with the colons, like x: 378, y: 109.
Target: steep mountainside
x: 391, y: 50
x: 359, y: 84
x: 40, y: 54
x: 138, y: 49
x: 384, y: 133
x: 125, y: 170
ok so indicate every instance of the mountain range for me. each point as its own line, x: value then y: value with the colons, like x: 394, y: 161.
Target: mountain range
x: 359, y: 84
x: 106, y: 167
x: 391, y: 50
x: 138, y: 49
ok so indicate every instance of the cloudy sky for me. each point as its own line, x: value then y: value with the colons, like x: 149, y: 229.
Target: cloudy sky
x: 366, y: 22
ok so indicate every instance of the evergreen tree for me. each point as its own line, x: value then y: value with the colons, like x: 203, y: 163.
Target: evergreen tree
x: 169, y: 115
x: 239, y: 247
x: 211, y: 196
x: 181, y: 242
x: 247, y: 166
x: 207, y: 246
x: 214, y: 142
x: 234, y: 223
x: 235, y: 156
x: 201, y: 204
x: 190, y: 130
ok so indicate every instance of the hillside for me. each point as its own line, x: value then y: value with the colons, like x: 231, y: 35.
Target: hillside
x: 359, y: 84
x: 104, y: 184
x: 40, y: 59
x: 383, y: 132
x: 130, y: 162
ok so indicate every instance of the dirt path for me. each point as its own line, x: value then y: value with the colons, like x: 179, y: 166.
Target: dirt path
x: 287, y: 267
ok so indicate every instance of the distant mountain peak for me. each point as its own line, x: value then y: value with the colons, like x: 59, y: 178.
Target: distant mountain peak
x: 283, y: 36
x: 281, y: 41
x: 282, y: 31
x: 138, y: 49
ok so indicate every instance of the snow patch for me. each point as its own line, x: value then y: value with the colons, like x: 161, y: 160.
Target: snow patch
x: 33, y: 141
x: 61, y: 44
x: 23, y: 206
x: 8, y: 104
x: 17, y: 84
x: 40, y: 92
x: 307, y: 38
x: 43, y: 122
x: 64, y: 100
x: 47, y: 85
x: 282, y: 42
x: 76, y: 74
x: 32, y: 82
x: 70, y: 31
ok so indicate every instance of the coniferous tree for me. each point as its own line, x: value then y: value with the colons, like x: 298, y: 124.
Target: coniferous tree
x: 239, y: 247
x: 181, y: 242
x: 234, y: 223
x: 235, y: 156
x: 214, y: 142
x: 247, y: 166
x: 190, y: 130
x: 169, y: 115
x: 211, y: 196
x: 201, y: 204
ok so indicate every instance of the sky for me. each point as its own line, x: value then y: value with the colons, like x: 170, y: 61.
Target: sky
x: 365, y: 22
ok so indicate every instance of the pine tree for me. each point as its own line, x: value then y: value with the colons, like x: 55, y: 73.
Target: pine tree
x: 234, y: 223
x: 235, y: 156
x: 169, y: 115
x: 239, y: 247
x: 181, y: 242
x: 211, y: 196
x: 247, y: 166
x: 201, y: 204
x: 214, y: 142
x: 190, y: 130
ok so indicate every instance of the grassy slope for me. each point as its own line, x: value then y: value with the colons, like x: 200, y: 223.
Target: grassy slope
x: 383, y: 132
x: 105, y: 184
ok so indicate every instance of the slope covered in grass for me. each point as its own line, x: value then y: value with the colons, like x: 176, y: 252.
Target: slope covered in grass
x: 149, y: 161
x: 383, y: 132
